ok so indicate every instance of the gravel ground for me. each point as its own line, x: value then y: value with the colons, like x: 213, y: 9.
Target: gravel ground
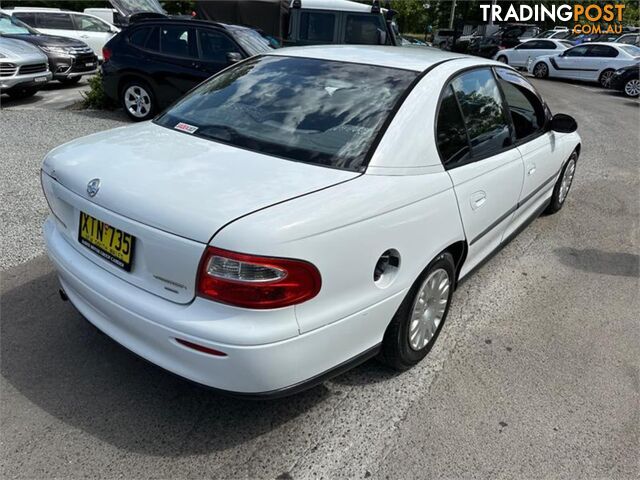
x: 535, y: 375
x: 27, y: 135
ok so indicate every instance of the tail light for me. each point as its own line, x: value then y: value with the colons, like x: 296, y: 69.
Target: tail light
x: 106, y: 54
x: 251, y: 281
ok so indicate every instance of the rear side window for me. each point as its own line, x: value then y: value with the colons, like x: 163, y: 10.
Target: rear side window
x: 317, y: 27
x: 580, y: 51
x: 484, y: 116
x: 450, y: 131
x: 26, y: 17
x: 526, y: 109
x: 178, y: 41
x: 90, y: 24
x: 602, y: 51
x: 139, y: 36
x: 546, y: 45
x: 363, y: 29
x: 61, y: 21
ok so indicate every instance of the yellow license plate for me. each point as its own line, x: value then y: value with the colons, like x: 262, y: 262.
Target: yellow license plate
x: 109, y: 242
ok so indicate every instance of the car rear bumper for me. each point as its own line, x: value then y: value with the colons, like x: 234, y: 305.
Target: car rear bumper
x: 267, y: 370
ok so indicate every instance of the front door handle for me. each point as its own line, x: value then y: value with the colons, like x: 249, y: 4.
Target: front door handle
x: 478, y: 199
x: 531, y: 170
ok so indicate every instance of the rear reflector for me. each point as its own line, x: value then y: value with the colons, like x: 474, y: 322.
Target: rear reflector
x: 251, y: 281
x: 201, y: 348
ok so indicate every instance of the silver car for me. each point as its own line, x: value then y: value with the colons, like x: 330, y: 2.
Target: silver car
x: 24, y: 69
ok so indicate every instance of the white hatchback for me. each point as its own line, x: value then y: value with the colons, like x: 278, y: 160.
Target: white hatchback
x: 302, y: 211
x: 531, y: 49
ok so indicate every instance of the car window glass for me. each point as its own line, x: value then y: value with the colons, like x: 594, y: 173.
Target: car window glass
x: 139, y: 36
x: 567, y: 44
x: 450, y: 131
x: 602, y: 51
x: 631, y: 50
x: 61, y: 21
x: 309, y: 110
x: 317, y: 27
x: 546, y: 45
x: 89, y: 24
x: 27, y: 17
x: 526, y: 109
x: 214, y: 46
x: 13, y: 26
x: 178, y: 41
x: 527, y: 45
x: 561, y: 35
x: 153, y: 41
x: 579, y: 51
x: 479, y: 98
x: 363, y: 29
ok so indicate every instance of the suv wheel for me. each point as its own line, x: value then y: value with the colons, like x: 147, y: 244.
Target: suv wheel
x: 137, y: 100
x: 632, y: 87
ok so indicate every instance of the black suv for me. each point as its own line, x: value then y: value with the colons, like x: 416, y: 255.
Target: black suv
x: 154, y: 62
x: 69, y: 59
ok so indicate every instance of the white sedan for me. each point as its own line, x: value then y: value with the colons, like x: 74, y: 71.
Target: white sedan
x: 518, y: 55
x: 302, y: 211
x: 592, y: 61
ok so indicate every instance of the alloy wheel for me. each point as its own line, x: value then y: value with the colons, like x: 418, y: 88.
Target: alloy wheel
x: 567, y: 178
x: 605, y: 78
x: 428, y: 308
x: 632, y: 88
x: 540, y: 71
x: 137, y: 101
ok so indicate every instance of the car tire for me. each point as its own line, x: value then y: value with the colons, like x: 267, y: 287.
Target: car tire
x: 69, y: 81
x: 25, y: 92
x: 503, y: 59
x: 632, y: 87
x: 541, y: 70
x: 138, y: 100
x: 563, y: 185
x: 416, y: 325
x: 605, y: 78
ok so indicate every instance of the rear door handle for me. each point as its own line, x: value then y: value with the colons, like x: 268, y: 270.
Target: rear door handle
x: 531, y: 170
x: 478, y: 199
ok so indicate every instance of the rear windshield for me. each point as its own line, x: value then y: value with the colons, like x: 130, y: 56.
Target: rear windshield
x: 308, y: 110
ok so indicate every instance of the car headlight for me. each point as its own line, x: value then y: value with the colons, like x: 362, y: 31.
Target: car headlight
x: 64, y: 50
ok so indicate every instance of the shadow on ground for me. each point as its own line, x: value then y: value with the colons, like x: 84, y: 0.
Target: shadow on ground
x: 599, y: 261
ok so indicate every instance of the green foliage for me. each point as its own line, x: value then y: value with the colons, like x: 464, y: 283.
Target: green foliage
x: 95, y: 97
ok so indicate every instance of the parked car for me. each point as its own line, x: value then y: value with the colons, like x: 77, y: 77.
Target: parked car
x: 94, y: 31
x: 300, y: 212
x: 555, y: 34
x: 511, y: 35
x: 24, y: 69
x: 443, y: 37
x: 627, y: 80
x: 630, y: 39
x: 152, y: 63
x: 69, y: 59
x: 518, y: 56
x: 593, y: 61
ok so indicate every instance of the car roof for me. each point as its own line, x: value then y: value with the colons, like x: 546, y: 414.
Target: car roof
x: 340, y: 5
x: 416, y: 59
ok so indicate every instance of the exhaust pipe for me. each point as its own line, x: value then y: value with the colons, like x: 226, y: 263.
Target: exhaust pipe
x: 63, y: 295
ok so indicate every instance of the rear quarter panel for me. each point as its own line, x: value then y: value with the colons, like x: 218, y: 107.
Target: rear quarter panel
x: 343, y: 230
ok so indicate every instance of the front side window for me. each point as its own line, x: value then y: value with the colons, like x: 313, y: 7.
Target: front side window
x: 451, y: 135
x: 546, y: 45
x: 527, y: 111
x: 178, y: 41
x: 27, y: 17
x: 90, y: 24
x: 214, y: 46
x: 309, y: 110
x: 317, y: 27
x: 481, y: 104
x: 59, y: 21
x: 363, y: 29
x: 579, y: 51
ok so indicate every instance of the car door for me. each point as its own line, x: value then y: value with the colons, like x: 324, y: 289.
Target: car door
x: 57, y: 23
x: 178, y: 63
x: 521, y: 53
x: 573, y: 63
x: 217, y: 50
x: 475, y: 143
x: 602, y: 57
x: 93, y: 31
x: 542, y: 152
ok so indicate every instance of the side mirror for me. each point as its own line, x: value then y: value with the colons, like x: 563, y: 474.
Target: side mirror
x: 563, y: 123
x: 234, y: 57
x: 382, y: 37
x: 114, y: 30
